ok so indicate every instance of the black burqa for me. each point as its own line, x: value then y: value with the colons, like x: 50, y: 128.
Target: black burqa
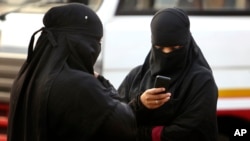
x: 191, y: 112
x: 55, y: 95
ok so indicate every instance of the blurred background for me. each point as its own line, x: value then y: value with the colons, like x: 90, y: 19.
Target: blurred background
x: 220, y: 28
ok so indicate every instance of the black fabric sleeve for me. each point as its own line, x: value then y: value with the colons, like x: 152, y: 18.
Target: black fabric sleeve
x: 197, y: 119
x: 196, y: 122
x: 140, y: 111
x: 120, y: 125
x: 110, y: 88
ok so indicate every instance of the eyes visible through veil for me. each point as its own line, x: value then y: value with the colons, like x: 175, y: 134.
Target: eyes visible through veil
x: 167, y: 49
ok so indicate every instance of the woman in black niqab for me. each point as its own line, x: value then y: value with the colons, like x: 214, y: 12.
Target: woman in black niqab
x: 190, y: 114
x: 56, y: 95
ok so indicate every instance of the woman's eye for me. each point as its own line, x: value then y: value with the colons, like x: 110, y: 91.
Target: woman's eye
x: 158, y: 47
x: 177, y: 47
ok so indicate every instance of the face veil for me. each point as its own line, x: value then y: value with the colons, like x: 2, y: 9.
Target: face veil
x: 169, y: 28
x: 82, y: 33
x: 190, y: 113
x: 167, y: 63
x: 63, y: 56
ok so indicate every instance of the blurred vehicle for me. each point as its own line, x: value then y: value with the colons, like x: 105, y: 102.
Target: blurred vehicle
x: 220, y: 27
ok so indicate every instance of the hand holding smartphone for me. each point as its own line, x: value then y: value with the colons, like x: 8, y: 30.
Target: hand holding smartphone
x: 162, y: 81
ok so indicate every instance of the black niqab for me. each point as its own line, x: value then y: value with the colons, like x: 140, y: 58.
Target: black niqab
x: 53, y: 96
x: 172, y: 30
x: 86, y: 24
x: 191, y: 112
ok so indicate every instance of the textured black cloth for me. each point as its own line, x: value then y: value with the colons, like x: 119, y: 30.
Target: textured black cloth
x: 56, y: 96
x: 190, y: 115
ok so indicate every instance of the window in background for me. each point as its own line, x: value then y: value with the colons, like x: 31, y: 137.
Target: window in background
x: 194, y: 7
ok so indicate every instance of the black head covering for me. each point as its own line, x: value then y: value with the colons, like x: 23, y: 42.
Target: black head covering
x: 171, y: 27
x: 191, y: 112
x: 63, y: 17
x: 54, y: 92
x: 84, y: 23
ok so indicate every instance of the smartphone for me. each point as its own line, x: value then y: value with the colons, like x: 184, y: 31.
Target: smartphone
x: 162, y: 81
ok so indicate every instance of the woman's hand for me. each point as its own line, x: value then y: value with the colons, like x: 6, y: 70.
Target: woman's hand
x: 154, y: 98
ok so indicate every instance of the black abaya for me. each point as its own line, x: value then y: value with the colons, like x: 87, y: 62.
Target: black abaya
x: 56, y: 95
x: 190, y: 115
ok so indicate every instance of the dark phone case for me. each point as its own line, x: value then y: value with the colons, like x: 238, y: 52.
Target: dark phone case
x: 162, y: 81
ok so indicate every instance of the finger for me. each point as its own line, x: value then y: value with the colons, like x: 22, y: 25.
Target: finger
x: 152, y: 101
x: 162, y: 96
x: 165, y: 99
x: 157, y: 90
x: 154, y: 104
x: 162, y: 100
x: 150, y: 94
